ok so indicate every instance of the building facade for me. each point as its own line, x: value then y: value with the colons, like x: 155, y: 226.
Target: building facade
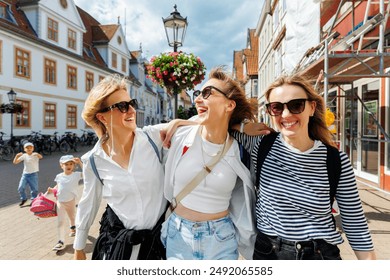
x: 349, y: 42
x: 52, y: 53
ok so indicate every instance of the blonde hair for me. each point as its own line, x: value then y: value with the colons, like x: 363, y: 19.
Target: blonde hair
x: 96, y: 100
x: 244, y: 109
x: 317, y: 125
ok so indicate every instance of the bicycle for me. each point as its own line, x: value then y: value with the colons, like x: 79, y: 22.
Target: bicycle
x: 69, y: 141
x: 6, y: 151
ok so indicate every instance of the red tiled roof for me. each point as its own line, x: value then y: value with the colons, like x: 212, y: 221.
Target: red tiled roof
x: 238, y: 65
x: 88, y: 39
x: 252, y: 53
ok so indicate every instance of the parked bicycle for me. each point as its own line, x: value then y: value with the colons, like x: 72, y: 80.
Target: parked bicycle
x: 88, y: 138
x: 69, y: 141
x: 6, y: 151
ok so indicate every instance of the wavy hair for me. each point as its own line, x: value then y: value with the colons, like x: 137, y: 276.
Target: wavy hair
x: 317, y: 126
x: 244, y: 109
x: 96, y: 100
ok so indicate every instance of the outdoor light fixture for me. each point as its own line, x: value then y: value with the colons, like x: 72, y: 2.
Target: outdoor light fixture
x: 11, y: 96
x: 175, y: 29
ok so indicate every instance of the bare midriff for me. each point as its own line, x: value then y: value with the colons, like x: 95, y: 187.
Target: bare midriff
x: 196, y: 216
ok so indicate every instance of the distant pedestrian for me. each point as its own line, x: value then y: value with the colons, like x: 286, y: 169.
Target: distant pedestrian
x: 66, y: 192
x: 30, y: 172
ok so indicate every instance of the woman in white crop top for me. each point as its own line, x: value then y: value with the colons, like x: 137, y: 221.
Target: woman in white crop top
x: 216, y: 219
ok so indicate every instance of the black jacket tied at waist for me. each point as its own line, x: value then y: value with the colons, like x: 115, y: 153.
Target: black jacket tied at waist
x: 115, y: 242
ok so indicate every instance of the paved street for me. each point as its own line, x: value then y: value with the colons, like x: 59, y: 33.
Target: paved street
x: 25, y: 237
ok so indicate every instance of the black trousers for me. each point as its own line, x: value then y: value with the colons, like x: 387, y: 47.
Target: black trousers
x: 275, y: 248
x: 116, y: 243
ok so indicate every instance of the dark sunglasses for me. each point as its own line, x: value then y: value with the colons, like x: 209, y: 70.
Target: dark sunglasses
x: 295, y: 106
x: 122, y: 106
x: 206, y: 92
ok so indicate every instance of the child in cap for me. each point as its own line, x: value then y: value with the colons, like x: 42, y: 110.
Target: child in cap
x: 30, y: 172
x: 66, y: 192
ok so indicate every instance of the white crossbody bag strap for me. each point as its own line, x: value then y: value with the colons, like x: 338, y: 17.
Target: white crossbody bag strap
x: 198, y: 178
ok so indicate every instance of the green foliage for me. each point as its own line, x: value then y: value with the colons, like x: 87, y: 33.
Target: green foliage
x: 176, y: 69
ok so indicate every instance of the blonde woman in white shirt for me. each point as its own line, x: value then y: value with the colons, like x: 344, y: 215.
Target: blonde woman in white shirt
x: 131, y: 178
x: 66, y: 192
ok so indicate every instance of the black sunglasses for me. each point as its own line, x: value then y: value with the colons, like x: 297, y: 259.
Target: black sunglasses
x: 295, y: 106
x: 122, y: 106
x: 206, y: 92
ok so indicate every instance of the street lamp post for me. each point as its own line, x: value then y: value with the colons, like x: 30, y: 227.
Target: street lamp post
x: 12, y: 98
x: 175, y: 29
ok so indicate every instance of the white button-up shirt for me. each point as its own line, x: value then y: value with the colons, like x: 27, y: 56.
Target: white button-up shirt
x: 135, y: 194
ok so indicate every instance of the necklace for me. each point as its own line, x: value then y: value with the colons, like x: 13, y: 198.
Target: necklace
x: 219, y: 152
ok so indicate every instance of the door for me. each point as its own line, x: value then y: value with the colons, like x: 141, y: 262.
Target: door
x: 360, y: 130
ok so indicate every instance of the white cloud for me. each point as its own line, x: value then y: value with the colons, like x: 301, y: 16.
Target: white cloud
x: 216, y: 27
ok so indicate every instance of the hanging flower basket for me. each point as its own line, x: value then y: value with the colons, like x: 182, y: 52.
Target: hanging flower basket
x: 11, y: 108
x: 176, y: 70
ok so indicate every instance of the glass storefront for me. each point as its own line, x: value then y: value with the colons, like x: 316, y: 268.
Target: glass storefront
x: 361, y: 132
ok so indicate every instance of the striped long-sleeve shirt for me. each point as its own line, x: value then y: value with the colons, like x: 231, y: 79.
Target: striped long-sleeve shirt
x: 293, y: 196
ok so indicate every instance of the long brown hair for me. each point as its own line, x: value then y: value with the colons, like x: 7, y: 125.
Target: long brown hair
x: 317, y: 126
x: 244, y: 109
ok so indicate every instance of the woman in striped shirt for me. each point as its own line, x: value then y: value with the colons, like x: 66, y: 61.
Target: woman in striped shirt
x: 293, y: 212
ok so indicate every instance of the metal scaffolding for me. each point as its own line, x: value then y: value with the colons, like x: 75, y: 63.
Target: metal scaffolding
x: 354, y: 56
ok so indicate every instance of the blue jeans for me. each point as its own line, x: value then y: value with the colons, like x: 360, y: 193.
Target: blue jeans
x: 32, y: 180
x: 209, y: 240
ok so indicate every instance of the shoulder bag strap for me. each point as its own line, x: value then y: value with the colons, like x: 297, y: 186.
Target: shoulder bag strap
x: 94, y: 169
x: 154, y: 147
x: 333, y: 165
x: 201, y: 175
x: 265, y: 146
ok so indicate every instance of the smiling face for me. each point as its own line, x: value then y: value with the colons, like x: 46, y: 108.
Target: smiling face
x: 217, y: 108
x: 114, y: 119
x: 68, y: 167
x: 29, y: 150
x: 292, y: 126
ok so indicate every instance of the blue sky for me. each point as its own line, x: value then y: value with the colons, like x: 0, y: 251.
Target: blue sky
x: 215, y: 27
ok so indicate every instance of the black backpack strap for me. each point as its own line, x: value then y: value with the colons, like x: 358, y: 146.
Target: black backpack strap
x: 154, y: 147
x: 94, y: 169
x: 265, y: 146
x: 333, y: 165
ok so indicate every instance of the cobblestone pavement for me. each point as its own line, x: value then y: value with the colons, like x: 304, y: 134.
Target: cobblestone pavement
x: 26, y: 237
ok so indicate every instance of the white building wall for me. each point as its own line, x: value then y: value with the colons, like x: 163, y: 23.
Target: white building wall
x: 301, y: 21
x: 38, y: 92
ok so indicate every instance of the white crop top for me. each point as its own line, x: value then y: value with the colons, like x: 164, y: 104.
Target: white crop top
x: 212, y: 195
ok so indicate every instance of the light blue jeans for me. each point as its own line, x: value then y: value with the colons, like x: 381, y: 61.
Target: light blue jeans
x: 209, y: 240
x: 32, y: 180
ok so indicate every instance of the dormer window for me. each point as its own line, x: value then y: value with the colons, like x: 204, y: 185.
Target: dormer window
x: 72, y: 37
x: 89, y: 52
x: 5, y: 13
x: 52, y: 29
